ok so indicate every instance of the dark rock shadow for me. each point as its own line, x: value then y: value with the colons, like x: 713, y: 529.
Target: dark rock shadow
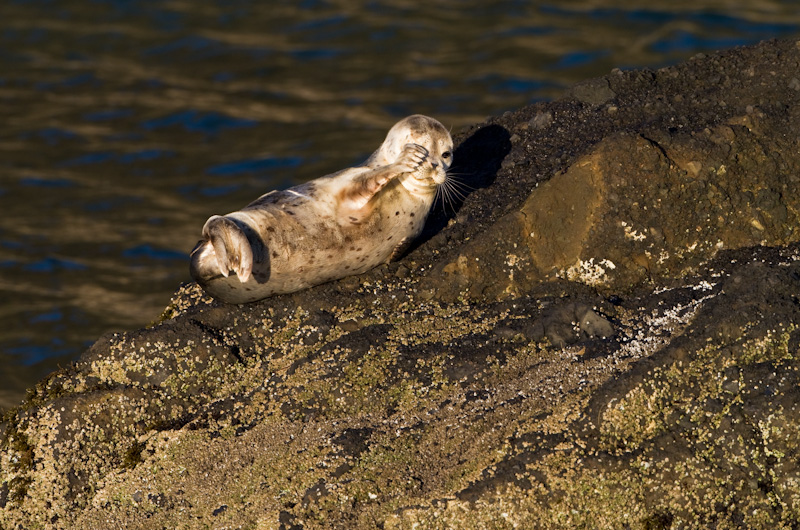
x: 476, y: 161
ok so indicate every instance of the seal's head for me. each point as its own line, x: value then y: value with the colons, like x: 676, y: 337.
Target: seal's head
x: 428, y: 133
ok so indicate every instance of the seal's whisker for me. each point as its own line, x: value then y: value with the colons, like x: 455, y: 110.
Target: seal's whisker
x: 454, y: 193
x: 449, y: 193
x: 456, y: 179
x: 456, y: 189
x: 457, y: 193
x: 460, y: 184
x: 440, y: 194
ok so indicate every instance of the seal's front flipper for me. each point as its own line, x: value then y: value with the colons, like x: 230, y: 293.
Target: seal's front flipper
x: 355, y: 198
x: 231, y: 247
x: 411, y: 157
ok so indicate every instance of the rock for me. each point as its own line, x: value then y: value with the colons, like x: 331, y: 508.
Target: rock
x: 594, y: 92
x: 605, y: 333
x: 541, y: 120
x: 634, y: 210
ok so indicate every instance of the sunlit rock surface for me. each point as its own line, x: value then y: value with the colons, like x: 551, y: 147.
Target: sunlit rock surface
x: 603, y: 334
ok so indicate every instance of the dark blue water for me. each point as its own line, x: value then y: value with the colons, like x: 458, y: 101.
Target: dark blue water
x: 126, y: 124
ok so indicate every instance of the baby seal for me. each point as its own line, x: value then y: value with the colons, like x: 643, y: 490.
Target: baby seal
x: 337, y: 225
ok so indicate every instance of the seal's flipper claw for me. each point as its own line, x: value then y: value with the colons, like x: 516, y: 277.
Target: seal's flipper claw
x: 212, y: 232
x: 412, y: 157
x: 398, y: 251
x: 245, y: 252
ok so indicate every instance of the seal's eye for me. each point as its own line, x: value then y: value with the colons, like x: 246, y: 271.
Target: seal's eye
x: 446, y: 155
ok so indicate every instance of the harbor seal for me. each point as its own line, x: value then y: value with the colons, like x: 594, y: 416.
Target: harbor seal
x: 331, y: 227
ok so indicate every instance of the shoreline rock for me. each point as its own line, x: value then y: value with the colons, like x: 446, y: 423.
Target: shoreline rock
x: 604, y: 333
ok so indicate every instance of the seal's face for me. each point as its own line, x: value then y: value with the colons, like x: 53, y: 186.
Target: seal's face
x: 431, y: 135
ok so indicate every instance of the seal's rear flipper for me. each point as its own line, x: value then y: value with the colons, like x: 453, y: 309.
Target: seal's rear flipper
x: 231, y: 246
x: 401, y: 247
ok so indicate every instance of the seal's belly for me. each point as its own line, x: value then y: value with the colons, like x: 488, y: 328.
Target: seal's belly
x: 304, y: 244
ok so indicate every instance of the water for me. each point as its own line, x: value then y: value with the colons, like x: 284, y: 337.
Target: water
x: 126, y: 124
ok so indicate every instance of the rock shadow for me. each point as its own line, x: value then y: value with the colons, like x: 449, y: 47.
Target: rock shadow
x: 476, y: 161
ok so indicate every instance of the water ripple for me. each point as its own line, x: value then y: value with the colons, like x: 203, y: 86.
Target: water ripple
x: 192, y: 120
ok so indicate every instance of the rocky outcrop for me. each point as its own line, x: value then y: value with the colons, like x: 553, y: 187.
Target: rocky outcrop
x: 604, y: 334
